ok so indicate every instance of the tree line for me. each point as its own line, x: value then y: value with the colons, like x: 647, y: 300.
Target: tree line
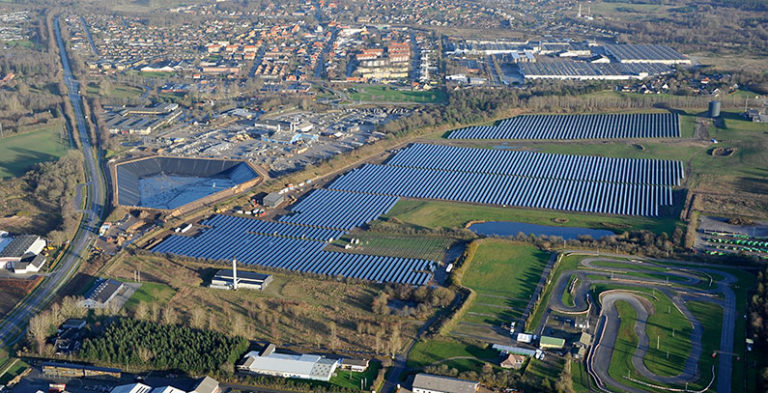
x: 758, y: 327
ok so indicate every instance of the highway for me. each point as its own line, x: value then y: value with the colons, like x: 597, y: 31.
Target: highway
x: 13, y: 325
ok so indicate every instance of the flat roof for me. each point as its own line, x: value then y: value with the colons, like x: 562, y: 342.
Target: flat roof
x: 226, y: 274
x: 444, y: 384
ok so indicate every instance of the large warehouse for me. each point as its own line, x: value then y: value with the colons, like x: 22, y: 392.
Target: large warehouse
x: 300, y: 366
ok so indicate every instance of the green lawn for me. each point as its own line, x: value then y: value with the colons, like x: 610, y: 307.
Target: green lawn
x: 150, y: 293
x: 505, y: 268
x: 352, y: 380
x: 388, y: 94
x: 11, y: 369
x: 711, y: 317
x: 567, y: 297
x: 626, y: 342
x: 503, y: 274
x: 404, y: 246
x: 19, y: 153
x: 440, y: 214
x: 426, y: 353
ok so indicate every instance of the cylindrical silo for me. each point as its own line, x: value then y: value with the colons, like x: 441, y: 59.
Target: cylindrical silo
x: 714, y: 109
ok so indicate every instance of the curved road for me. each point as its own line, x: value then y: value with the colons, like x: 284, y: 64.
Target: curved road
x: 608, y: 325
x: 13, y: 325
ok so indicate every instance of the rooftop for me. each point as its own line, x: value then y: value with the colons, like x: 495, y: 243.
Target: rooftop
x: 444, y: 384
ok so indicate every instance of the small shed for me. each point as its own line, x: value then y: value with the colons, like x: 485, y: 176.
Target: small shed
x: 547, y: 342
x: 272, y: 199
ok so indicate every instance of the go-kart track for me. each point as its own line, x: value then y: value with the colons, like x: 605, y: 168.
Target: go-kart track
x: 628, y: 280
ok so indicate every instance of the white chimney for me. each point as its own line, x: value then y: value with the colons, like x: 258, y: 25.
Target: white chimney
x: 234, y: 273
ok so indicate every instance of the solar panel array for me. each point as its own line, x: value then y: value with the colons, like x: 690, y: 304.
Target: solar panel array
x: 542, y: 165
x: 640, y: 52
x: 223, y: 242
x: 581, y: 70
x: 648, y: 125
x: 545, y: 193
x: 338, y: 209
x: 321, y: 217
x: 271, y: 228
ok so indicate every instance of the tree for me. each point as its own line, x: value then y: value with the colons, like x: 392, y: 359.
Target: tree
x: 333, y: 339
x: 39, y: 327
x: 169, y: 315
x: 395, y: 341
x: 564, y: 383
x: 141, y: 312
x: 197, y: 318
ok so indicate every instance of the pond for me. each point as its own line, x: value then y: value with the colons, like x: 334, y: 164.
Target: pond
x: 507, y: 228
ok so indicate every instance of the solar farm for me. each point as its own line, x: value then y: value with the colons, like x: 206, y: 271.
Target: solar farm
x: 546, y: 181
x: 321, y: 217
x: 613, y: 126
x: 297, y: 241
x: 170, y: 182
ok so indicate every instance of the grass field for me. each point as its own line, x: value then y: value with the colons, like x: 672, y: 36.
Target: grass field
x: 118, y: 91
x: 19, y: 153
x: 503, y: 274
x: 404, y: 246
x: 352, y: 380
x: 466, y: 357
x: 439, y: 214
x: 626, y: 342
x: 386, y: 94
x: 150, y: 292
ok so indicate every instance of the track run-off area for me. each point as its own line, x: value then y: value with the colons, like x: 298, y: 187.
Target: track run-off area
x: 654, y: 327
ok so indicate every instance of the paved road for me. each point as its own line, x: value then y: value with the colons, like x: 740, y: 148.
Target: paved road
x: 608, y: 325
x: 13, y: 325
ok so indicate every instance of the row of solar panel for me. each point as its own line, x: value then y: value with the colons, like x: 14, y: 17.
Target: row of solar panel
x: 584, y: 196
x: 542, y: 165
x: 296, y: 255
x: 238, y: 225
x: 339, y: 210
x: 649, y: 125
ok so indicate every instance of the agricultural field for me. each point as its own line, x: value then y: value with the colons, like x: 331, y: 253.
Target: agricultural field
x: 19, y: 153
x: 503, y: 275
x: 385, y: 94
x: 13, y: 290
x: 293, y: 310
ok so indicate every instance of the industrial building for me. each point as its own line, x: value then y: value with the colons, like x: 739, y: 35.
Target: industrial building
x: 224, y: 279
x: 302, y: 366
x: 102, y: 293
x: 204, y: 385
x: 22, y: 254
x: 427, y: 383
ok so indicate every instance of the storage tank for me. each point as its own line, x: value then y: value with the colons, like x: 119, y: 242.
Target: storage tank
x: 714, y: 109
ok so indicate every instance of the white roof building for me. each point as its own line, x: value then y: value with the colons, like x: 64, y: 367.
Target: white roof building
x: 301, y: 366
